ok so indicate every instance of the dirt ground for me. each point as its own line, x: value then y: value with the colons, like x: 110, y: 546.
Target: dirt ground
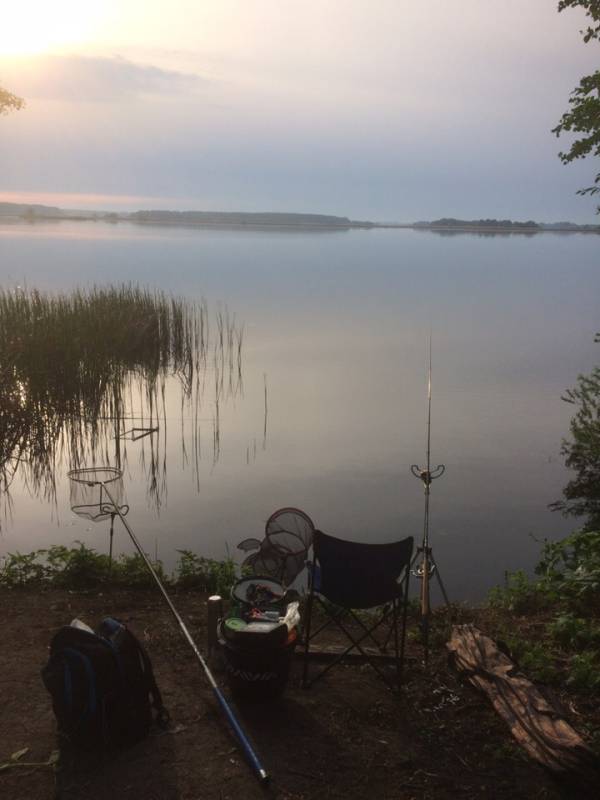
x: 345, y: 737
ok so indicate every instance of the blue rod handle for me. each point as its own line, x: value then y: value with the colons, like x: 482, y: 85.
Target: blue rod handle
x: 263, y: 776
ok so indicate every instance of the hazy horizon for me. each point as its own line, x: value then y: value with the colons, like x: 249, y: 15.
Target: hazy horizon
x: 387, y: 111
x: 53, y: 202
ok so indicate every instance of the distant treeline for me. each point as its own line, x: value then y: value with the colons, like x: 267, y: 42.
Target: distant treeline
x: 24, y: 209
x: 35, y: 211
x: 505, y: 224
x: 239, y: 218
x: 450, y: 222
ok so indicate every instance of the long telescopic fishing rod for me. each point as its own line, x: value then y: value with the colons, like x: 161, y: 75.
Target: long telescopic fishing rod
x: 235, y: 725
x: 427, y: 568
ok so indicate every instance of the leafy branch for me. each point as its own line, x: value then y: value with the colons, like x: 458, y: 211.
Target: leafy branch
x: 583, y: 116
x: 9, y: 101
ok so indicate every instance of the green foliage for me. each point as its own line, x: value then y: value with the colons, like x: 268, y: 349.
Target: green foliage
x: 77, y: 567
x: 592, y: 10
x: 573, y: 633
x: 569, y: 570
x: 583, y: 116
x: 23, y: 569
x: 567, y: 580
x: 205, y: 574
x: 567, y: 583
x: 132, y: 571
x: 534, y: 659
x: 9, y: 101
x: 582, y: 493
x: 519, y: 594
x: 81, y: 567
x: 584, y: 672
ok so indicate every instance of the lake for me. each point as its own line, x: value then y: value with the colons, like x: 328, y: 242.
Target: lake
x: 332, y: 408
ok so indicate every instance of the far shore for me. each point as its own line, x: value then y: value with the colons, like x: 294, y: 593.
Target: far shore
x: 115, y: 219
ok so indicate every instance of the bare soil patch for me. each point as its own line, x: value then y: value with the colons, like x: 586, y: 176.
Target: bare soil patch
x: 346, y: 737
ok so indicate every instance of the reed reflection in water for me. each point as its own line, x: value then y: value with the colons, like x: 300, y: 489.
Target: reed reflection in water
x: 84, y: 381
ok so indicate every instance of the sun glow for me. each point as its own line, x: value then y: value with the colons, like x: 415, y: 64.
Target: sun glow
x: 39, y: 26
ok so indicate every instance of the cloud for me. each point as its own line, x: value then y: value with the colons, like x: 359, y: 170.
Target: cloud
x: 75, y: 78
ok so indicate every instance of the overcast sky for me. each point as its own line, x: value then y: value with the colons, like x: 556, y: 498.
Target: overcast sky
x: 378, y: 109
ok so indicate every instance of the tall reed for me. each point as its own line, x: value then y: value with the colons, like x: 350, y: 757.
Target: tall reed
x: 77, y: 368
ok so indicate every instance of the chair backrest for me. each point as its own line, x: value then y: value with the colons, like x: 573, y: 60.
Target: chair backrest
x: 357, y: 575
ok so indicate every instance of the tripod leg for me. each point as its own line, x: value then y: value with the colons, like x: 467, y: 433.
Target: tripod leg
x: 110, y: 549
x: 425, y: 602
x: 415, y: 557
x: 439, y: 577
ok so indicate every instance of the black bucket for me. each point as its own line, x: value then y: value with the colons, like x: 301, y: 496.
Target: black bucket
x: 257, y: 672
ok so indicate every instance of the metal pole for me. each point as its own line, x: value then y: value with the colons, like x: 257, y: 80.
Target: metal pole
x: 110, y: 546
x: 427, y: 566
x: 235, y: 725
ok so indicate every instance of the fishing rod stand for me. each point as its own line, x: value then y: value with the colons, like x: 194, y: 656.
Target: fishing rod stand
x: 425, y: 551
x: 427, y: 566
x: 419, y: 570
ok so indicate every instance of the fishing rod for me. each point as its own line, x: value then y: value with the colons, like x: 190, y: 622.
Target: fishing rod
x: 85, y: 476
x: 427, y: 567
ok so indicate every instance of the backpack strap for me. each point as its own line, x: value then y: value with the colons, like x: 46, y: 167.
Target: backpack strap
x: 71, y: 653
x: 110, y: 627
x: 162, y: 715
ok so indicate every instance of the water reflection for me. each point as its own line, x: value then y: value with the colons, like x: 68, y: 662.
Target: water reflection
x: 84, y: 381
x: 482, y: 233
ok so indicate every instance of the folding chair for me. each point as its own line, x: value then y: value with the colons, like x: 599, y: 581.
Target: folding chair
x: 351, y: 576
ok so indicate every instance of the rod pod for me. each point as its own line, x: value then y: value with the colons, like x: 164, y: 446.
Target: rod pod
x: 427, y: 568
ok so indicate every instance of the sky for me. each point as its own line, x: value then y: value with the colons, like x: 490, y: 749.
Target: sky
x: 383, y: 110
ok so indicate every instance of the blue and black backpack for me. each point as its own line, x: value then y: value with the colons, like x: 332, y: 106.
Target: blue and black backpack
x: 104, y: 694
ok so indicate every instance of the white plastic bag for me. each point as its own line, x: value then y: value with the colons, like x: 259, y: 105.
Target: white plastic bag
x: 292, y: 615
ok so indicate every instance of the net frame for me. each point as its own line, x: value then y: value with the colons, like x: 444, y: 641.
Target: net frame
x: 88, y: 496
x: 240, y: 589
x: 290, y: 530
x: 282, y: 553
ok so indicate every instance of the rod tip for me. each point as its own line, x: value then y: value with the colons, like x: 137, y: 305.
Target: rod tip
x: 263, y: 776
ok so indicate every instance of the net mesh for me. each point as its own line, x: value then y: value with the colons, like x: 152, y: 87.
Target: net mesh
x: 89, y: 498
x: 282, y: 553
x: 290, y: 529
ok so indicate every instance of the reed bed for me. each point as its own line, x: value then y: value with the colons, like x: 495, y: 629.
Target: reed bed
x: 77, y: 367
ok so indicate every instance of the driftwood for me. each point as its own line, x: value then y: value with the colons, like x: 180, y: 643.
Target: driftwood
x: 533, y: 721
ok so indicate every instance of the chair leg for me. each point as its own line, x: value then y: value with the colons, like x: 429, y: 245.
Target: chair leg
x: 403, y: 636
x: 398, y: 664
x: 309, y: 606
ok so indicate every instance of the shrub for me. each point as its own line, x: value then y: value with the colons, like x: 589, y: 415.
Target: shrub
x: 519, y: 594
x: 573, y: 632
x: 205, y: 574
x: 23, y: 569
x: 81, y: 567
x: 584, y: 673
x: 570, y: 570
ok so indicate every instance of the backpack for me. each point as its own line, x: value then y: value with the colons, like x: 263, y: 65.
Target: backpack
x: 103, y: 690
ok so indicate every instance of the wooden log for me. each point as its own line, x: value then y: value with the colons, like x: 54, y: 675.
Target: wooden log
x: 536, y: 724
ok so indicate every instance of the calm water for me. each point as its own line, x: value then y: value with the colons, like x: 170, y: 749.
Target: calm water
x: 337, y: 325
